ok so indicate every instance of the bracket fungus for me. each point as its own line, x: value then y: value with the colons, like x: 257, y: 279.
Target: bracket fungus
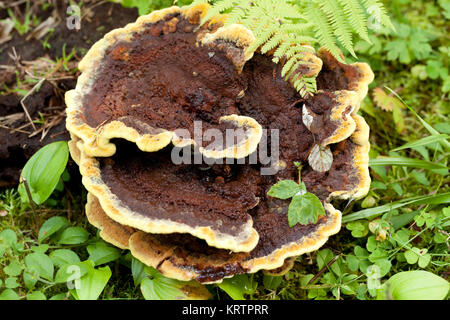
x: 142, y: 90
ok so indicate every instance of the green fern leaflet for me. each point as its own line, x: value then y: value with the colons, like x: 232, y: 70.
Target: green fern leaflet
x: 291, y: 28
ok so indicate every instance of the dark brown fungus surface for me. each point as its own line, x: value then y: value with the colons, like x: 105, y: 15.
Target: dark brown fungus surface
x: 145, y: 82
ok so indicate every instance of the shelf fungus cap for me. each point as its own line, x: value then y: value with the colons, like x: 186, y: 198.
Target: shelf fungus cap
x: 342, y: 87
x: 186, y: 257
x: 168, y: 198
x: 163, y: 64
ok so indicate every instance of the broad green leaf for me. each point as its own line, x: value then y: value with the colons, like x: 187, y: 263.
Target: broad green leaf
x: 157, y: 287
x: 384, y: 265
x: 13, y: 269
x: 138, y: 271
x: 92, y: 283
x: 284, y: 189
x: 423, y: 142
x: 272, y: 282
x: 424, y: 260
x: 61, y: 257
x: 237, y: 286
x: 59, y: 296
x: 73, y: 271
x: 406, y: 162
x: 30, y: 279
x: 414, y: 285
x: 51, y: 226
x: 161, y: 288
x: 323, y: 257
x: 101, y: 253
x: 43, y: 170
x: 11, y: 283
x: 411, y: 256
x: 352, y: 262
x: 8, y: 238
x: 36, y: 295
x: 73, y: 235
x: 41, y: 264
x: 304, y: 209
x: 9, y: 294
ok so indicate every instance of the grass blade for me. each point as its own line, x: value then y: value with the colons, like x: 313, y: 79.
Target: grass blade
x: 374, y: 212
x: 423, y: 141
x: 406, y: 162
x: 430, y: 129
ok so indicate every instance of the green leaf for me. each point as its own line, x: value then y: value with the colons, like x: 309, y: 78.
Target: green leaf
x: 9, y: 294
x: 304, y: 209
x: 92, y: 283
x: 271, y: 282
x: 36, y: 295
x: 424, y: 260
x: 8, y: 238
x: 59, y: 296
x: 61, y: 257
x: 352, y: 262
x: 43, y: 170
x: 323, y: 257
x: 157, y: 287
x: 74, y: 235
x: 414, y: 285
x: 51, y: 226
x: 73, y: 271
x: 13, y: 269
x: 420, y: 177
x: 41, y: 248
x: 30, y: 279
x: 284, y: 189
x: 41, y: 264
x: 101, y: 253
x: 138, y: 271
x: 161, y: 288
x: 237, y: 286
x: 11, y: 283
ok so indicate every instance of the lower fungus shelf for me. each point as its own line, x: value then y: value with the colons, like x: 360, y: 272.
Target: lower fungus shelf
x: 184, y: 257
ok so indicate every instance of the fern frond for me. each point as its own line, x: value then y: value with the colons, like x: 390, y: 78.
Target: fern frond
x: 336, y: 17
x: 356, y: 17
x: 376, y: 7
x: 323, y: 30
x: 218, y: 7
x: 272, y: 43
x: 285, y: 26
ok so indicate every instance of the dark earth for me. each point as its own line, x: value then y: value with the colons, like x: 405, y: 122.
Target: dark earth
x: 16, y: 145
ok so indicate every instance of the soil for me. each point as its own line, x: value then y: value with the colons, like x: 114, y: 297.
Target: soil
x: 16, y: 145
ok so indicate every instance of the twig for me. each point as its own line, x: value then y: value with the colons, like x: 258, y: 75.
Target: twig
x: 329, y: 264
x: 26, y: 96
